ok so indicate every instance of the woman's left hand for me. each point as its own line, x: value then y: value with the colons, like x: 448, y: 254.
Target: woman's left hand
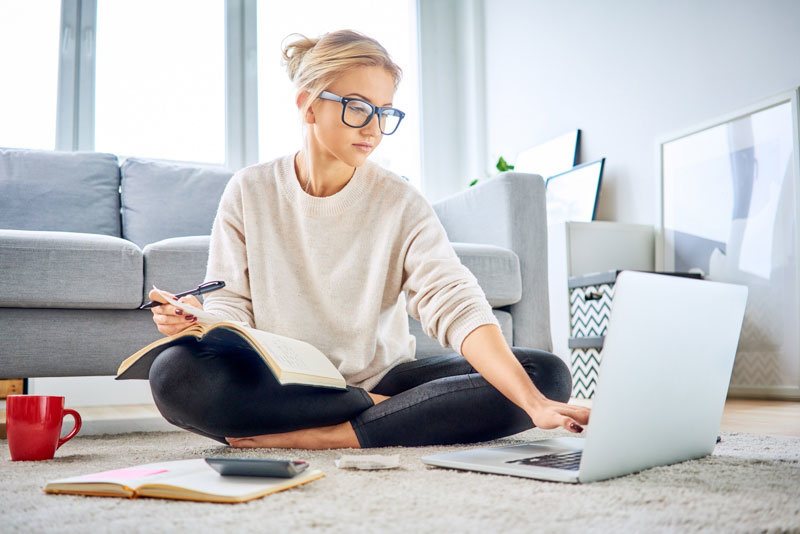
x: 553, y: 414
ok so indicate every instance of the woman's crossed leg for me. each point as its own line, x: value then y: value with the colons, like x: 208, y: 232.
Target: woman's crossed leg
x: 437, y: 400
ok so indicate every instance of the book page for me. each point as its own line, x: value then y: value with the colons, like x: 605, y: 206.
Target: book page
x: 294, y: 355
x: 181, y: 479
x: 291, y: 356
x: 209, y: 482
x: 129, y: 473
x: 133, y: 477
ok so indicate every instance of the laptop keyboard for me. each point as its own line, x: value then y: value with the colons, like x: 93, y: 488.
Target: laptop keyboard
x: 567, y: 460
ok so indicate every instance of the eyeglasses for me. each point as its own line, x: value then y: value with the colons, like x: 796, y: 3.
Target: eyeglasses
x: 357, y: 113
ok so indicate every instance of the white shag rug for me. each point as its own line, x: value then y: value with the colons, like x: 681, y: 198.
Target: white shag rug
x: 750, y: 483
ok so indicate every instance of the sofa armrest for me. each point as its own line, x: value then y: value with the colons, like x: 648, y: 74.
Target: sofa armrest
x: 509, y: 211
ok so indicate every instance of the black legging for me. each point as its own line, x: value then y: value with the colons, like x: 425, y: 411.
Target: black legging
x: 435, y: 401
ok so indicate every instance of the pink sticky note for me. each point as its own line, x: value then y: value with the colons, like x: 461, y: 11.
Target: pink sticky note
x: 126, y: 474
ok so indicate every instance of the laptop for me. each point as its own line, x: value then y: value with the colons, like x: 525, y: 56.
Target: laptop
x: 663, y: 378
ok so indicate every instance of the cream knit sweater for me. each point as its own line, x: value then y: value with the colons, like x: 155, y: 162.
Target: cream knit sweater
x: 332, y: 271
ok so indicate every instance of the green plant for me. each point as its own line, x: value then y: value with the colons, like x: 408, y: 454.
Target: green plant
x: 502, y: 166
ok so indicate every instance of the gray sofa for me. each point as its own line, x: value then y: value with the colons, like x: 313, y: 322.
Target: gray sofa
x: 83, y: 238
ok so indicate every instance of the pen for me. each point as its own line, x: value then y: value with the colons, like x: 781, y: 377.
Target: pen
x: 199, y: 290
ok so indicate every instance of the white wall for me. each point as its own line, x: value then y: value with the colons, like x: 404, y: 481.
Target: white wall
x: 626, y: 73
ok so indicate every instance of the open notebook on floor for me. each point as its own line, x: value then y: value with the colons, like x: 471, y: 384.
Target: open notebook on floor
x: 189, y: 480
x: 663, y: 378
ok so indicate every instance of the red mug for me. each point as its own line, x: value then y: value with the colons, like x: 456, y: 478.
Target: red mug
x: 33, y: 425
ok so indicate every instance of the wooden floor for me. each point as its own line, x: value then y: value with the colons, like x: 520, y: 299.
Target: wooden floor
x: 777, y: 418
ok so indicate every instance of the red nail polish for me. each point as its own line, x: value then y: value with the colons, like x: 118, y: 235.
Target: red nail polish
x: 190, y: 317
x: 575, y: 427
x: 179, y: 312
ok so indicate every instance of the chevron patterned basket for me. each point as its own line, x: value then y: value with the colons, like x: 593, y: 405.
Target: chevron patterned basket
x: 590, y: 299
x: 590, y: 303
x: 584, y: 364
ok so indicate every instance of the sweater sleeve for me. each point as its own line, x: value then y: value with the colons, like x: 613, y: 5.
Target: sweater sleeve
x: 442, y: 293
x: 227, y: 259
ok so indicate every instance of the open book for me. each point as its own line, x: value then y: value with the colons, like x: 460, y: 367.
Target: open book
x: 291, y: 361
x: 188, y: 480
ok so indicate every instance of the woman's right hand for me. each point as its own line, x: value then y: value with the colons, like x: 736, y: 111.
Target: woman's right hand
x: 169, y: 319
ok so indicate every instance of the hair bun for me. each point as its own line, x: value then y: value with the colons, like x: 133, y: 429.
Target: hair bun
x: 294, y: 52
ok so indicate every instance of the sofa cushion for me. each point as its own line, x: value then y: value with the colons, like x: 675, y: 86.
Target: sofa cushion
x: 68, y: 270
x: 59, y: 191
x: 162, y: 200
x: 497, y: 271
x: 175, y: 264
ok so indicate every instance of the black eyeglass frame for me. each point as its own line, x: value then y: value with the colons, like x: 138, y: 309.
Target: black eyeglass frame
x: 326, y: 95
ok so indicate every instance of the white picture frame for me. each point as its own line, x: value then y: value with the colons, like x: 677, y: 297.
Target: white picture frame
x: 552, y: 157
x: 573, y: 195
x: 728, y: 205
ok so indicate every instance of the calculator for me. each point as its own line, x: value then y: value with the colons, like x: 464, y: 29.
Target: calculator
x: 257, y: 467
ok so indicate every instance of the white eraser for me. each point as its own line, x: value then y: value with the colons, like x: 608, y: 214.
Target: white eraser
x: 364, y: 461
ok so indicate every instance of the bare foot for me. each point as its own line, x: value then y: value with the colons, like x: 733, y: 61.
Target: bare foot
x: 326, y: 437
x: 377, y: 399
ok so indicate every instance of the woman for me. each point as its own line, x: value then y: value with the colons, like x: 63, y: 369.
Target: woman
x: 321, y: 246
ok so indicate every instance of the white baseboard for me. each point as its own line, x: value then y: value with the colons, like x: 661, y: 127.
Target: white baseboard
x: 787, y: 393
x: 118, y: 420
x: 92, y: 390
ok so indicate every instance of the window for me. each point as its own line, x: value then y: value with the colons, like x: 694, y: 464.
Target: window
x: 29, y: 33
x: 391, y: 22
x: 160, y: 82
x: 152, y: 83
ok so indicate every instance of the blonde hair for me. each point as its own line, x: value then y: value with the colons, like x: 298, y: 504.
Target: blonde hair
x: 313, y: 64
